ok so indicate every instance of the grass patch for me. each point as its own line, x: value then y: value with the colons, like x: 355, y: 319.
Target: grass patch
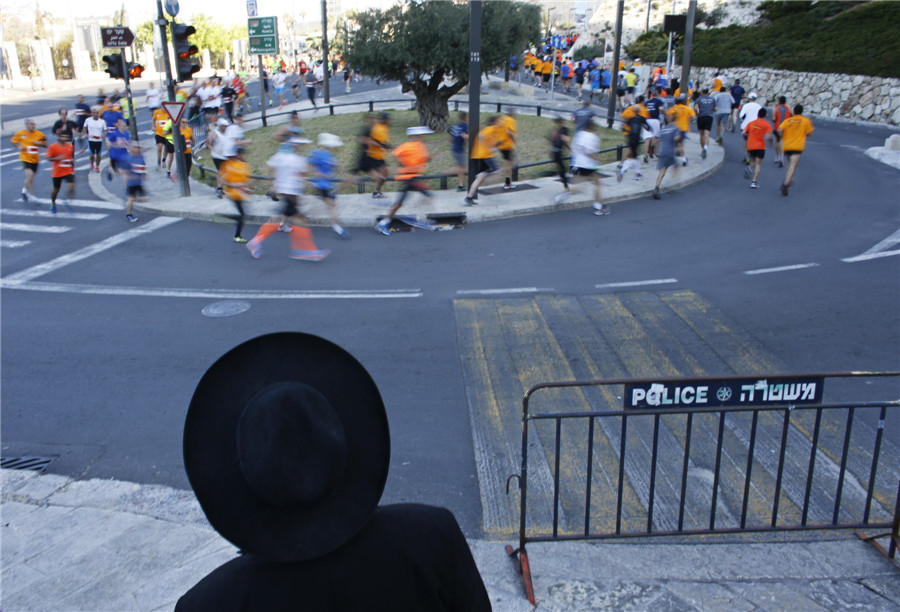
x: 533, y: 147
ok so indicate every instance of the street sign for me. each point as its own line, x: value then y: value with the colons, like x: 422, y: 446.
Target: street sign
x: 252, y: 11
x: 175, y: 109
x: 778, y: 390
x: 116, y: 38
x: 172, y: 7
x: 263, y: 34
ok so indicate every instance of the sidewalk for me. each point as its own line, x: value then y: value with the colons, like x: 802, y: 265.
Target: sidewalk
x: 106, y: 545
x: 361, y: 210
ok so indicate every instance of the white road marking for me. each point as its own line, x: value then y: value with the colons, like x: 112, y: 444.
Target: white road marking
x: 879, y: 250
x: 872, y: 256
x: 40, y: 229
x: 781, y: 269
x: 13, y: 244
x: 505, y: 291
x: 44, y: 214
x: 246, y: 294
x: 659, y: 281
x: 34, y: 272
x: 78, y: 203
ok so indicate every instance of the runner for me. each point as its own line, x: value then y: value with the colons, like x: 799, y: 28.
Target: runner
x: 758, y: 132
x: 64, y: 125
x: 29, y: 142
x: 153, y: 98
x: 134, y: 169
x: 278, y: 82
x: 483, y: 153
x: 240, y: 92
x: 323, y: 168
x: 188, y: 134
x: 507, y: 147
x: 228, y: 96
x: 666, y: 146
x: 459, y: 137
x: 82, y: 112
x: 781, y: 113
x: 595, y: 77
x: 111, y: 115
x: 373, y: 162
x: 311, y: 90
x: 681, y: 115
x: 413, y: 157
x: 217, y: 143
x: 160, y: 122
x: 62, y: 156
x: 95, y: 128
x: 794, y: 131
x: 169, y: 133
x: 737, y: 97
x: 559, y: 141
x: 586, y: 163
x: 631, y: 81
x: 117, y: 141
x: 705, y: 106
x: 235, y: 173
x: 635, y: 118
x: 723, y: 112
x: 348, y: 74
x: 749, y: 112
x: 290, y: 172
x: 653, y: 105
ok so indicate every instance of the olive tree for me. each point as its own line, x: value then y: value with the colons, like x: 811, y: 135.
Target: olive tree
x: 425, y: 46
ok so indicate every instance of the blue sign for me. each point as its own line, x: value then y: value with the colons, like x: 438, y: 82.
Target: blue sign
x: 557, y: 42
x: 172, y: 7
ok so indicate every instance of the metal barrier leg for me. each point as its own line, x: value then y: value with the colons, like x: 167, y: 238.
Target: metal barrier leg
x: 520, y: 563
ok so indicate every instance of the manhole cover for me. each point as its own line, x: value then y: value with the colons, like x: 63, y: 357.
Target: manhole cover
x: 36, y: 464
x: 228, y: 308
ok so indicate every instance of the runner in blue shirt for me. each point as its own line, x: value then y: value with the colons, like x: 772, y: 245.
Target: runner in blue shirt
x: 133, y: 169
x: 322, y: 166
x: 117, y: 140
x: 653, y: 106
x: 737, y: 94
x: 605, y: 80
x: 595, y: 84
x: 112, y: 117
x: 459, y: 136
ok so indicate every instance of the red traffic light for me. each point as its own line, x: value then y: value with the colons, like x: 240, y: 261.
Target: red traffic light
x: 135, y: 71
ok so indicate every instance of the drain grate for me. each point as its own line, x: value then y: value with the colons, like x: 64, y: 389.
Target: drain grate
x: 36, y: 464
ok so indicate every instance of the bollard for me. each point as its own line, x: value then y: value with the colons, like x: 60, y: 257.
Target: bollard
x: 515, y: 174
x: 443, y: 182
x: 538, y: 111
x: 619, y: 150
x: 371, y: 106
x: 499, y: 107
x: 331, y: 109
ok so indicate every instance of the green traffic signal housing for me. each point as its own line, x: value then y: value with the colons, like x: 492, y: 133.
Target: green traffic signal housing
x: 185, y: 67
x: 114, y: 66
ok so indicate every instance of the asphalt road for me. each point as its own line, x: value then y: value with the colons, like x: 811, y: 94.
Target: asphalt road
x: 100, y: 359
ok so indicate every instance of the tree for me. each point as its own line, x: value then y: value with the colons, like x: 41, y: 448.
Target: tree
x: 214, y: 37
x: 425, y: 46
x: 144, y: 33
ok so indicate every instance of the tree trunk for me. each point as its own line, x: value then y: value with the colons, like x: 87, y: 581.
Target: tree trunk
x: 434, y: 110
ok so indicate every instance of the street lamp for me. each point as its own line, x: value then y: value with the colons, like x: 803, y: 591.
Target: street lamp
x: 552, y: 8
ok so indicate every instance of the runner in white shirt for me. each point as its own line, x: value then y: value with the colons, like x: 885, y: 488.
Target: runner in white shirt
x: 154, y: 98
x: 234, y: 136
x: 95, y: 127
x: 585, y: 162
x: 218, y: 146
x: 278, y: 81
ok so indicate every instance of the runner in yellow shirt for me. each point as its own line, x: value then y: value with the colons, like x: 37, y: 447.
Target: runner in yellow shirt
x: 29, y: 142
x: 794, y: 131
x: 160, y: 122
x: 682, y: 115
x: 483, y: 150
x: 235, y: 173
x: 507, y: 146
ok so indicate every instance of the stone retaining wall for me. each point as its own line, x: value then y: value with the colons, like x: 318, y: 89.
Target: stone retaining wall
x: 852, y: 97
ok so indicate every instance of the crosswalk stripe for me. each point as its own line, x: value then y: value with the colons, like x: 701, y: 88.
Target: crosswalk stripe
x: 41, y: 229
x: 101, y: 204
x: 44, y: 214
x: 14, y: 244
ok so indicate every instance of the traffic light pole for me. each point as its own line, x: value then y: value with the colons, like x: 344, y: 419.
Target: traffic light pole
x: 132, y: 120
x: 178, y: 139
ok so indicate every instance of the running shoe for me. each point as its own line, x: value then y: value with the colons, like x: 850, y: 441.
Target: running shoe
x: 703, y: 153
x: 24, y: 196
x: 784, y: 189
x: 240, y: 239
x: 620, y: 174
x: 131, y: 218
x: 600, y: 209
x: 559, y: 198
x: 53, y: 209
x: 255, y: 248
x: 460, y: 188
x: 318, y: 255
x: 719, y: 141
x: 638, y: 176
x: 219, y: 192
x: 378, y: 195
x: 383, y: 227
x: 656, y: 195
x: 780, y: 164
x: 340, y: 231
x: 284, y: 227
x: 469, y: 201
x: 754, y: 185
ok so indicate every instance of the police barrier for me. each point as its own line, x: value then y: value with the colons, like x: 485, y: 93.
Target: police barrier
x: 771, y: 455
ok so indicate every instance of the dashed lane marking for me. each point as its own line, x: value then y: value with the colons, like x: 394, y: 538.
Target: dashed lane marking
x: 14, y: 244
x: 781, y: 269
x: 659, y: 281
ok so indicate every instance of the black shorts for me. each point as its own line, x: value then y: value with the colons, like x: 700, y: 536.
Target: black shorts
x: 96, y: 146
x: 629, y: 90
x: 217, y: 162
x: 705, y: 122
x: 634, y: 141
x: 291, y: 204
x: 584, y: 171
x: 331, y: 194
x: 507, y: 154
x: 59, y: 180
x: 486, y: 164
x: 367, y: 164
x: 757, y: 153
x: 170, y: 147
x: 620, y: 92
x: 545, y: 77
x: 792, y: 153
x: 777, y: 136
x: 135, y: 190
x: 735, y: 105
x: 29, y: 166
x: 160, y: 139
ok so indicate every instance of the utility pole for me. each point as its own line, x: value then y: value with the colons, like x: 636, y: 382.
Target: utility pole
x: 614, y: 70
x: 325, y: 90
x: 686, y: 53
x: 183, y: 182
x: 474, y: 80
x: 262, y: 90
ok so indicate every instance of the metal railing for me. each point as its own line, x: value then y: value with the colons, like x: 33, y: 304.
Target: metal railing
x: 200, y: 126
x: 772, y: 436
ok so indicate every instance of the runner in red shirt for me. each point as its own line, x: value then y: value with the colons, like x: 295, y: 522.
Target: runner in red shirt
x: 413, y: 157
x: 62, y: 154
x: 781, y: 113
x: 758, y: 132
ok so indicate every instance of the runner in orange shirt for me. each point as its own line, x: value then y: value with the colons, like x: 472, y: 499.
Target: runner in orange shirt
x: 681, y: 115
x: 413, y: 157
x: 29, y: 142
x: 160, y: 124
x: 483, y: 151
x: 781, y: 113
x: 507, y: 146
x: 62, y: 155
x: 758, y: 133
x: 235, y: 173
x: 794, y: 131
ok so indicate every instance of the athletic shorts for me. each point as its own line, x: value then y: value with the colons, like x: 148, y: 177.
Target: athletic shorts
x: 721, y: 118
x: 507, y: 154
x: 735, y: 105
x: 485, y: 165
x: 620, y: 92
x: 160, y: 140
x: 792, y: 153
x: 96, y: 147
x: 367, y: 163
x: 633, y: 142
x: 135, y: 190
x: 595, y: 88
x: 279, y: 90
x: 584, y: 171
x: 653, y: 125
x: 705, y: 122
x: 757, y: 153
x: 291, y: 204
x: 415, y: 184
x: 629, y: 90
x: 460, y: 158
x: 29, y: 166
x: 545, y: 77
x: 217, y: 162
x: 665, y: 162
x: 330, y: 193
x: 776, y: 135
x: 170, y: 147
x: 58, y: 180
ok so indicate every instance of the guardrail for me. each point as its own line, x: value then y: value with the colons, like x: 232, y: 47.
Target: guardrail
x: 200, y: 126
x: 798, y: 460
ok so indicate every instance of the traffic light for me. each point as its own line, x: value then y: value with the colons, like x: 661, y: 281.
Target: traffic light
x: 184, y: 52
x: 135, y: 71
x: 114, y: 66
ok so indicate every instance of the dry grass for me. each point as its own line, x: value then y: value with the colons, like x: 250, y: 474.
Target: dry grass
x: 533, y: 146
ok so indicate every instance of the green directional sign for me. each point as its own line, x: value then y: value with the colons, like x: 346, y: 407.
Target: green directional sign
x: 263, y: 33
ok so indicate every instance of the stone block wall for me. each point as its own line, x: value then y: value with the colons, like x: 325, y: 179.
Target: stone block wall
x: 851, y: 97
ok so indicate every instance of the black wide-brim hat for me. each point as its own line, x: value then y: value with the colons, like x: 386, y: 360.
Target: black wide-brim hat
x: 287, y: 447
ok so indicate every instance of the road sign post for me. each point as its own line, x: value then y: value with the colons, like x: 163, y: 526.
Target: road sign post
x: 183, y: 182
x: 122, y: 38
x: 262, y: 33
